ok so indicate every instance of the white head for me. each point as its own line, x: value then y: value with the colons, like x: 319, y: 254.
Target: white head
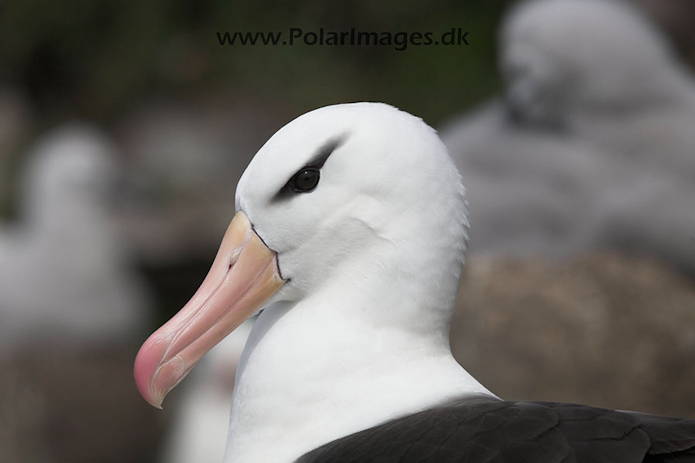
x: 559, y: 56
x: 351, y: 231
x: 72, y: 170
x: 384, y: 171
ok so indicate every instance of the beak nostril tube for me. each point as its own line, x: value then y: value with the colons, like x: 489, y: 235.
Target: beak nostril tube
x: 233, y: 259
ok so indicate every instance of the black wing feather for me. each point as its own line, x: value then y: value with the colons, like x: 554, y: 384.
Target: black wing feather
x: 475, y: 430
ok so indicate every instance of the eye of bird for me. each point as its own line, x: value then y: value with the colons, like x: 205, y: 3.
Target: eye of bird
x: 306, y: 180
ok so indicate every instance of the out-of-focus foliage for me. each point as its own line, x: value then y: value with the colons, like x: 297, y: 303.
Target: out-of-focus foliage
x: 94, y: 59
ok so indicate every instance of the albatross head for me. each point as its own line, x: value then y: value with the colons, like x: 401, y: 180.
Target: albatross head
x: 71, y: 173
x: 336, y: 184
x: 350, y: 231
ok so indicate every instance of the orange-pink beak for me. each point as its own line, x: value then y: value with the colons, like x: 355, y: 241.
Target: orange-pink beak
x: 243, y: 276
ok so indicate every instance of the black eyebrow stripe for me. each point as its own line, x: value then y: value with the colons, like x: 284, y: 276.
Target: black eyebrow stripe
x: 324, y: 152
x: 316, y: 162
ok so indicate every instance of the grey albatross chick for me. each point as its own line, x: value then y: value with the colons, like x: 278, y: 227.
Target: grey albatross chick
x: 604, y: 72
x: 350, y: 233
x: 600, y: 75
x: 531, y: 192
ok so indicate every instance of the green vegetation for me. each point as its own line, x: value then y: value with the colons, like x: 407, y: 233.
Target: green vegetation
x: 96, y: 59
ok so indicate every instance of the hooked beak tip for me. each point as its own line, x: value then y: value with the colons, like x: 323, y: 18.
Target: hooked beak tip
x: 146, y: 372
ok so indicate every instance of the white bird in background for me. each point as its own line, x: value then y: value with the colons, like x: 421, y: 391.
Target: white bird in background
x: 65, y: 272
x: 592, y: 146
x: 350, y: 233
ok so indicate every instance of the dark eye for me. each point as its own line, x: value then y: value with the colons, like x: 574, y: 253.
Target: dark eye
x: 306, y: 180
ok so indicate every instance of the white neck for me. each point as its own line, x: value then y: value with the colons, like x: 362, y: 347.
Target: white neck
x: 335, y: 363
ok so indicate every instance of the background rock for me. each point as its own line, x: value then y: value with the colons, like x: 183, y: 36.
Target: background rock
x: 605, y: 330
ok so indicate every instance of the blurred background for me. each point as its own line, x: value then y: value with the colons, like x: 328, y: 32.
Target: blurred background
x: 124, y: 129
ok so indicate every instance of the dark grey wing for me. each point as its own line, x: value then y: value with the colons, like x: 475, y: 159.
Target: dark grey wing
x: 672, y: 439
x: 482, y: 431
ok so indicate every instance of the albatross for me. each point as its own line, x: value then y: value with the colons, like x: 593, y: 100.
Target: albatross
x: 604, y: 72
x: 65, y: 270
x: 599, y: 149
x: 350, y: 236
